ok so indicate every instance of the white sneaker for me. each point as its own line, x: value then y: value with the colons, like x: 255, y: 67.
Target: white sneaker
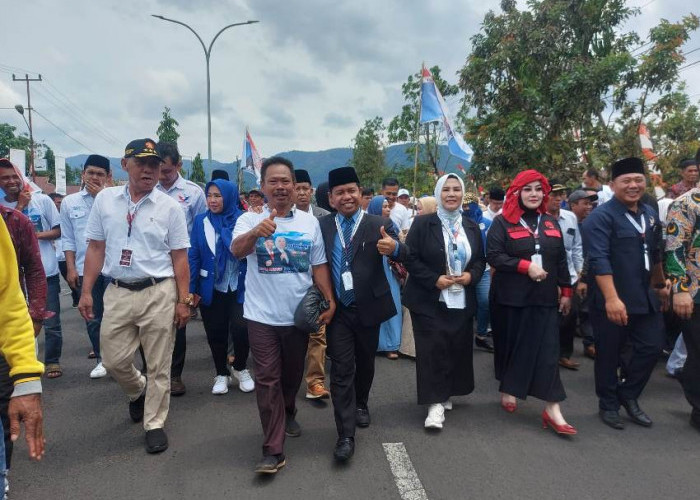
x: 436, y: 416
x: 99, y: 371
x: 447, y: 405
x: 245, y: 381
x: 221, y: 383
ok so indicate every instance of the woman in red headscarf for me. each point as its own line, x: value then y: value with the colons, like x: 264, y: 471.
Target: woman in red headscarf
x: 530, y: 286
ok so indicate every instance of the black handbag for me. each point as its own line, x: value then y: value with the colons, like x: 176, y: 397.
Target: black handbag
x: 309, y: 309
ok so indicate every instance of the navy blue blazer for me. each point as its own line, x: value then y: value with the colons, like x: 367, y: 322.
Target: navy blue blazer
x: 203, y: 265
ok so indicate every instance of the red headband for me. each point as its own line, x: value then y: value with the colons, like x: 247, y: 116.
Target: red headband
x: 511, y: 208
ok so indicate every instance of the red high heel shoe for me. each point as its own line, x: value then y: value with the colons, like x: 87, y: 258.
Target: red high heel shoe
x: 509, y: 407
x: 564, y: 429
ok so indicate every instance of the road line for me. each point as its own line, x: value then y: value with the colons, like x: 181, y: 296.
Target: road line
x: 410, y: 487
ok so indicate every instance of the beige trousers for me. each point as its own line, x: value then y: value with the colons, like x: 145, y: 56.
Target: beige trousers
x: 316, y: 358
x: 141, y: 317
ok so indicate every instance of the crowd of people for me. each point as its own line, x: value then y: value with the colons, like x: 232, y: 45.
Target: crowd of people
x: 518, y: 273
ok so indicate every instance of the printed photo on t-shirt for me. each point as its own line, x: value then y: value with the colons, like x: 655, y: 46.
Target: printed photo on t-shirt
x: 283, y: 253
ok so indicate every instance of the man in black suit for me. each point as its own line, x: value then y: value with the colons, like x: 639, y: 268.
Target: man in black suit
x: 355, y: 243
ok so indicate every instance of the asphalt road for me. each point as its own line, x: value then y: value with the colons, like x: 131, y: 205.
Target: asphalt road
x: 95, y: 451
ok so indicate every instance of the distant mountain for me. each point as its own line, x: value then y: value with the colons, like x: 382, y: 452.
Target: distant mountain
x: 318, y: 163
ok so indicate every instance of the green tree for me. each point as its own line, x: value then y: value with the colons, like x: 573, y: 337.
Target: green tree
x: 166, y: 130
x: 536, y: 77
x: 368, y: 153
x: 10, y: 140
x: 196, y: 173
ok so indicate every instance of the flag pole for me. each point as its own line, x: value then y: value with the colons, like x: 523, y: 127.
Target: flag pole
x: 415, y: 161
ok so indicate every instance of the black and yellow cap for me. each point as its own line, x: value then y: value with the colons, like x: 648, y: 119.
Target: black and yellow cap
x: 141, y: 148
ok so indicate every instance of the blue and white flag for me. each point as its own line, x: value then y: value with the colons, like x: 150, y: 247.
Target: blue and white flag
x: 434, y: 109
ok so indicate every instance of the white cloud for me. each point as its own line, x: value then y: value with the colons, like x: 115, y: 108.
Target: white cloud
x: 306, y: 77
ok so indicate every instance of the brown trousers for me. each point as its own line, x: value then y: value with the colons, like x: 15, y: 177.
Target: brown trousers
x: 316, y: 358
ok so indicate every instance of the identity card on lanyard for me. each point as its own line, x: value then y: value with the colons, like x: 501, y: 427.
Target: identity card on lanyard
x: 127, y: 252
x: 642, y: 231
x: 347, y: 275
x: 537, y: 257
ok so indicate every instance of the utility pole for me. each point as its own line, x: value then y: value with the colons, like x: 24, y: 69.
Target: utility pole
x: 29, y: 107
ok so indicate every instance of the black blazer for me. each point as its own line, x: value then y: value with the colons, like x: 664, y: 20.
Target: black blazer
x: 372, y: 292
x: 427, y: 262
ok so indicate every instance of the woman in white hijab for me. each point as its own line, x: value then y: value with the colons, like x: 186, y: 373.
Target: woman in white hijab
x: 446, y: 262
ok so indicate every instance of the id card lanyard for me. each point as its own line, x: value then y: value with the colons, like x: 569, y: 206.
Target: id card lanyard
x: 537, y: 257
x: 642, y: 232
x: 452, y: 235
x: 347, y: 275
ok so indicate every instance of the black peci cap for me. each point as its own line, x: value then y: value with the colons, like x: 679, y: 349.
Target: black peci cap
x: 302, y: 176
x: 342, y: 175
x: 97, y: 161
x: 631, y: 165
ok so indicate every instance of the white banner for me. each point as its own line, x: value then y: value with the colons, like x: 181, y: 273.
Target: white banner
x: 40, y: 165
x: 19, y: 159
x: 60, y: 175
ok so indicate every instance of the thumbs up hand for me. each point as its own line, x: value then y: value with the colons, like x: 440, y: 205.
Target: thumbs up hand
x: 268, y: 226
x: 386, y: 245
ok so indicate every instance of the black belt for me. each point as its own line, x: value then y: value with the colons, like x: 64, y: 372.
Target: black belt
x: 135, y: 286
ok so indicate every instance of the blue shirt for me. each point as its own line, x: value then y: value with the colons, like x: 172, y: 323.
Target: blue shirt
x: 615, y: 247
x: 337, y: 253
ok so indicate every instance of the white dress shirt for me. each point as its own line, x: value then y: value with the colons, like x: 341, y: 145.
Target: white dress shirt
x: 189, y: 196
x: 158, y: 227
x: 572, y: 242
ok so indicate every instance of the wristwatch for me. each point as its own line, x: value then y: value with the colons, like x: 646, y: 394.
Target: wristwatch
x: 187, y: 300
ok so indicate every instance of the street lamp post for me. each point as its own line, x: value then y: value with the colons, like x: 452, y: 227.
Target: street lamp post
x: 20, y: 110
x: 207, y: 56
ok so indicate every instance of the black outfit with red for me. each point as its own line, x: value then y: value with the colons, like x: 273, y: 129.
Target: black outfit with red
x: 524, y: 313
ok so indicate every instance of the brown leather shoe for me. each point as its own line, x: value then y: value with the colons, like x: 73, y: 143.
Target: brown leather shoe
x: 177, y: 387
x: 568, y: 364
x: 317, y: 391
x: 589, y: 351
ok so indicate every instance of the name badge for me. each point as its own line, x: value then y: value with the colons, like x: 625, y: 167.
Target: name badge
x: 347, y: 280
x: 125, y: 258
x: 537, y: 260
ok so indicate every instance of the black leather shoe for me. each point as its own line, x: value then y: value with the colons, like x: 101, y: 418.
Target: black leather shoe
x: 362, y: 418
x: 270, y: 464
x: 136, y: 408
x: 292, y: 427
x: 177, y: 386
x: 344, y: 449
x: 635, y: 412
x: 484, y: 343
x: 612, y: 418
x: 156, y: 441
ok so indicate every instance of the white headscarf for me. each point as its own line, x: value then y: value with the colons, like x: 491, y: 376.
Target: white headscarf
x: 449, y: 217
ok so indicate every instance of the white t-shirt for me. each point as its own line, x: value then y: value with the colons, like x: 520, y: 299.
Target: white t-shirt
x: 158, y: 227
x: 44, y: 215
x: 400, y: 216
x: 280, y: 268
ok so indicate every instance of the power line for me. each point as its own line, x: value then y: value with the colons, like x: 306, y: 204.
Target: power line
x: 63, y: 131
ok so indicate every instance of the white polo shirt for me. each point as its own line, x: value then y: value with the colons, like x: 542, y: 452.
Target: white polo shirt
x: 189, y: 196
x: 280, y: 268
x: 75, y: 210
x: 157, y: 228
x: 43, y: 213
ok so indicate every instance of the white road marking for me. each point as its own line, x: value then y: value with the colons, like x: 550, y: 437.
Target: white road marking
x: 410, y: 487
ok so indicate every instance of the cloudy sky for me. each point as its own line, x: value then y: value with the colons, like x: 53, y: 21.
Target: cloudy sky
x: 305, y: 78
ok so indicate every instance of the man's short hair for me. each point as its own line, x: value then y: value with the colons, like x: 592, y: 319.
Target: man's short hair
x: 276, y: 160
x: 593, y: 172
x: 390, y: 181
x: 55, y: 195
x: 168, y: 150
x: 367, y: 192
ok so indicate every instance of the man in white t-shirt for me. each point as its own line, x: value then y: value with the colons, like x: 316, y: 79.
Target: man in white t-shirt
x: 399, y: 214
x: 47, y: 223
x: 286, y: 255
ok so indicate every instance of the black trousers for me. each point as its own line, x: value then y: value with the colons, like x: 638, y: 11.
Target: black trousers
x: 567, y: 330
x: 222, y: 319
x: 351, y: 348
x: 179, y: 352
x: 6, y: 388
x: 74, y: 292
x: 634, y: 349
x: 690, y: 376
